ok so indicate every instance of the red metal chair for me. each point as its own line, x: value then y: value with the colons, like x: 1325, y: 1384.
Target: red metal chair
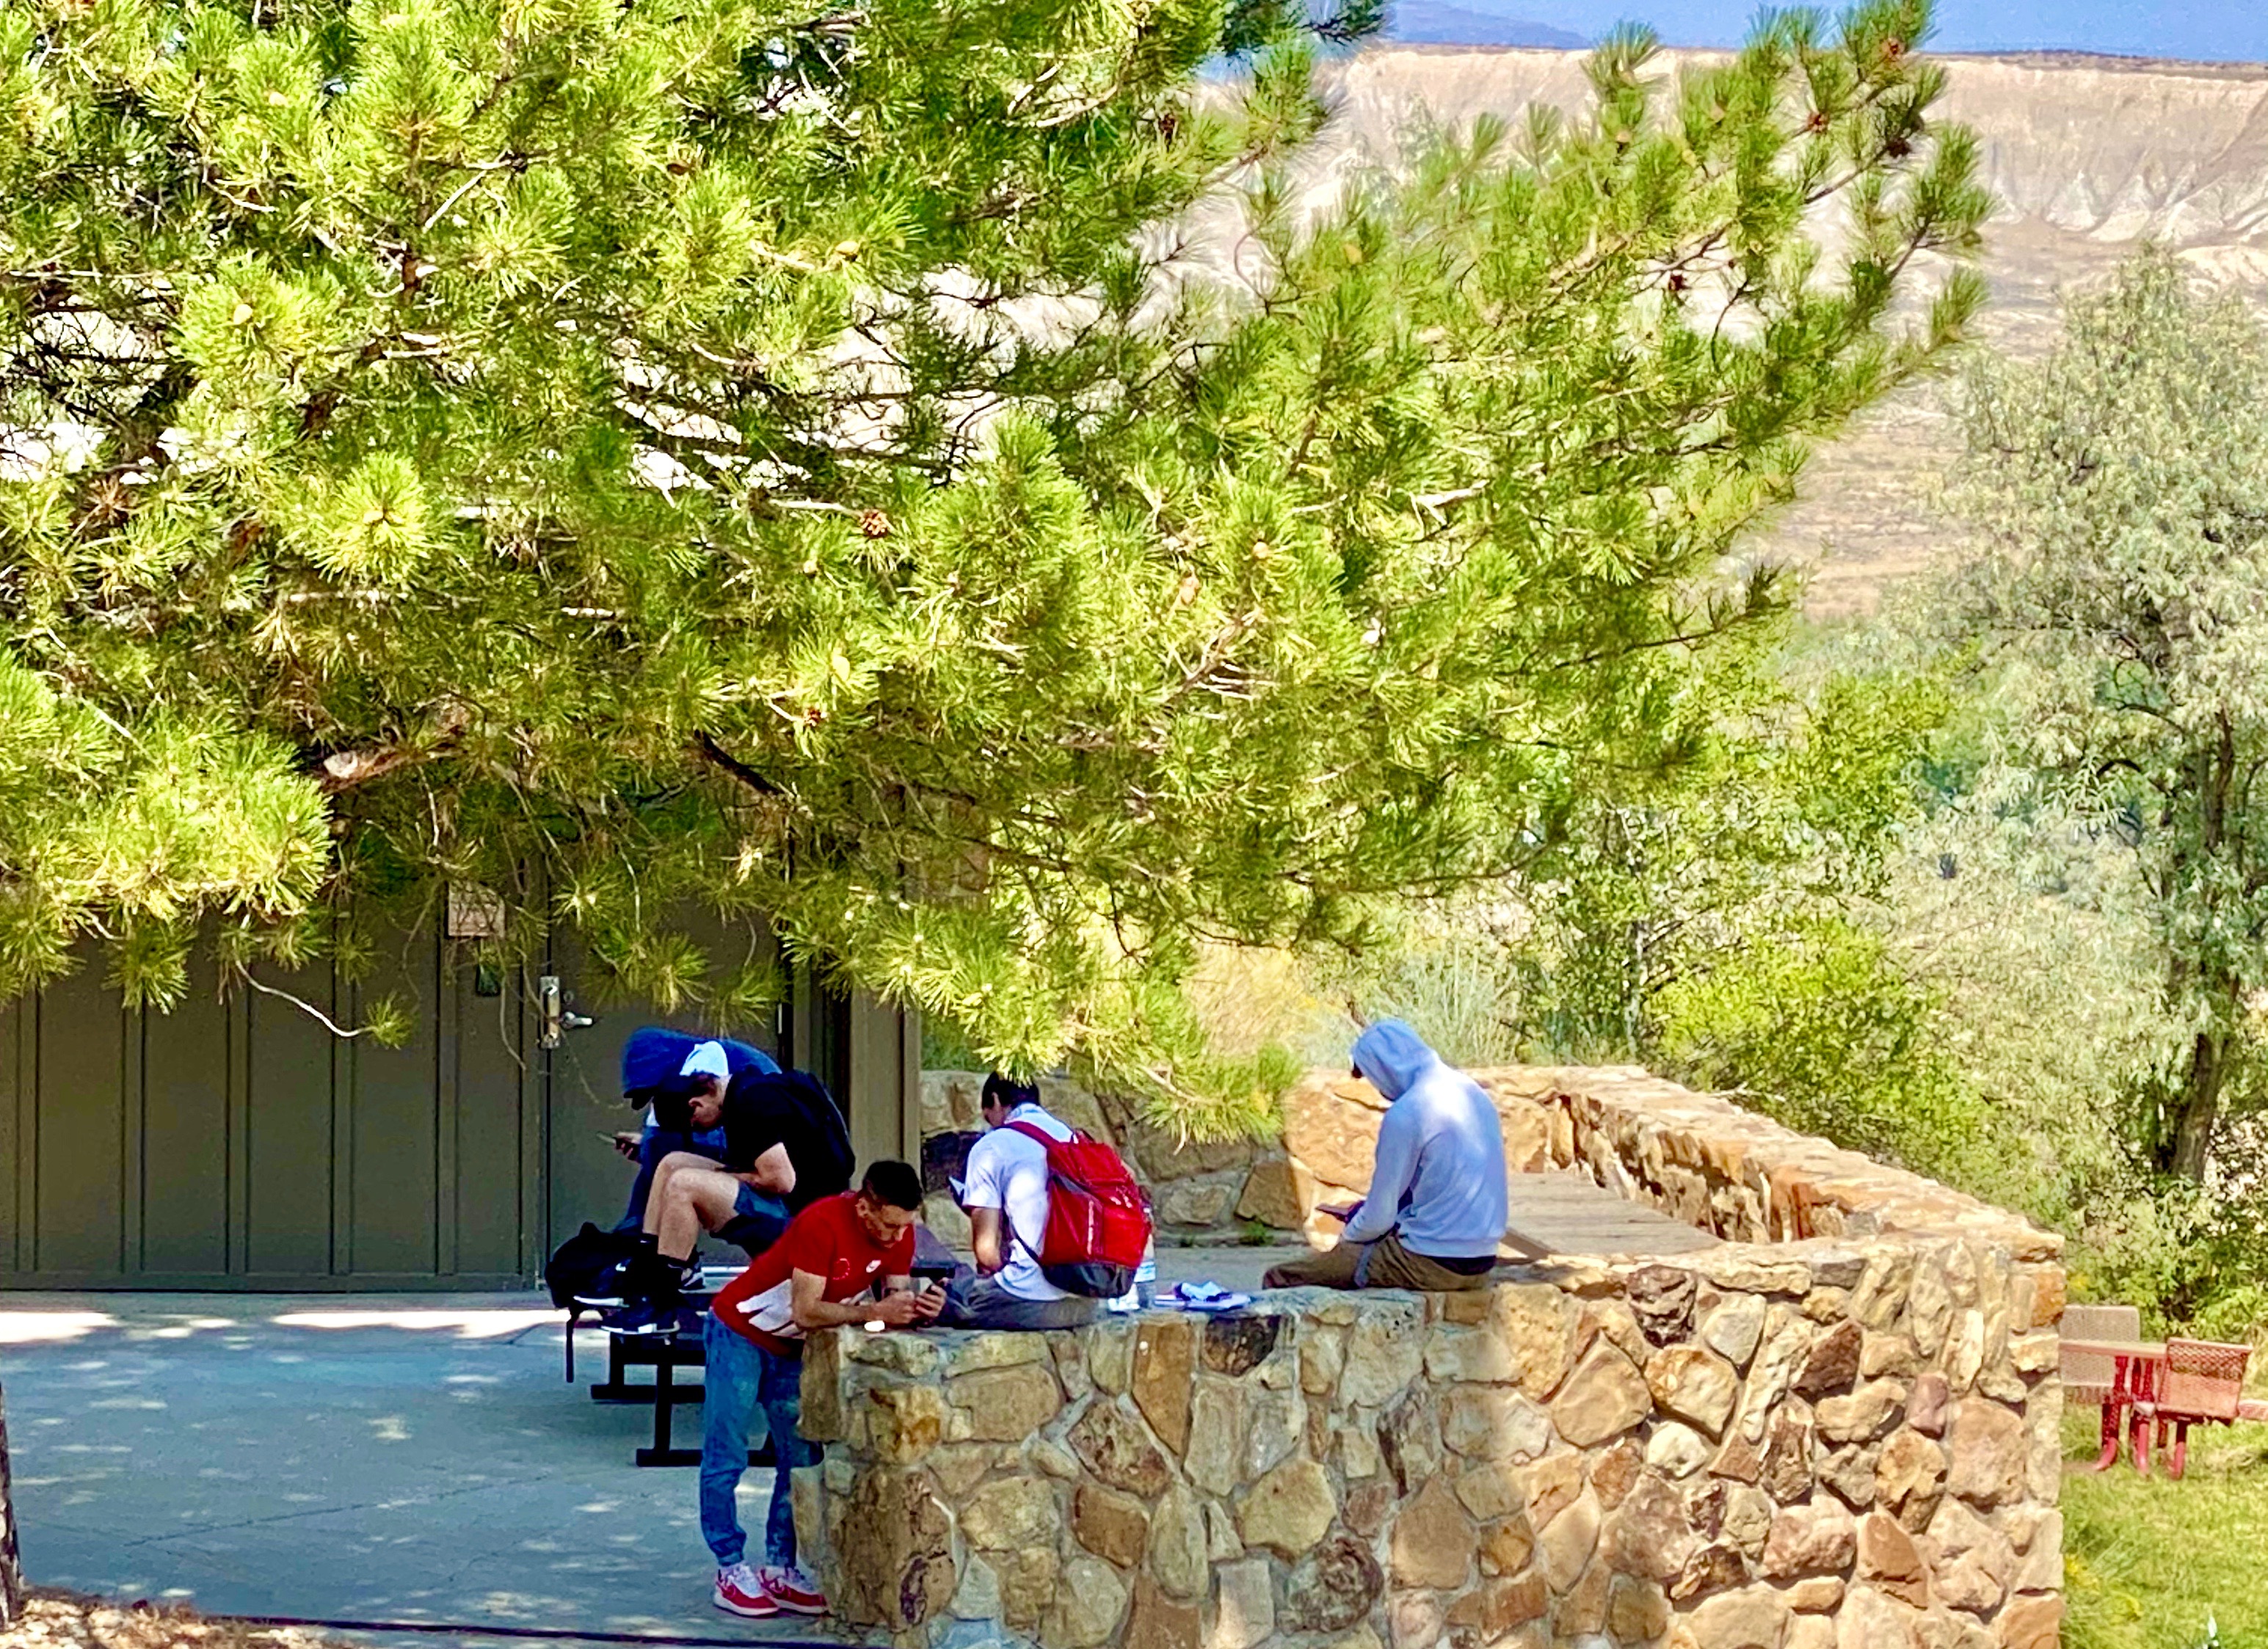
x: 2200, y: 1382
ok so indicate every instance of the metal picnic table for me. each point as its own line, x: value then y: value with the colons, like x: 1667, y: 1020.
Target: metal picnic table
x: 2133, y: 1379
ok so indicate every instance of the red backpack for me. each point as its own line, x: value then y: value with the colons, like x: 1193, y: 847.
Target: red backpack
x: 1098, y: 1217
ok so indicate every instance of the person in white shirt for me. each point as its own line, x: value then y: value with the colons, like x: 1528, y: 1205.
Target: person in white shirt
x: 1006, y: 1192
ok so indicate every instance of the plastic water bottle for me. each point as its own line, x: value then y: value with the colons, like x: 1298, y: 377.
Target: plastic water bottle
x: 1144, y: 1289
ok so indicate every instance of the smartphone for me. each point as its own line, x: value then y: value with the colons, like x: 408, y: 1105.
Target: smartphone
x: 932, y: 1275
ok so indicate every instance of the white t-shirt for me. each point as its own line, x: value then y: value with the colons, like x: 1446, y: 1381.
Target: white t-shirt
x: 1008, y: 1171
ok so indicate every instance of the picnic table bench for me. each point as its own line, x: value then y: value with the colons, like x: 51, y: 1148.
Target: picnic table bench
x: 665, y: 1355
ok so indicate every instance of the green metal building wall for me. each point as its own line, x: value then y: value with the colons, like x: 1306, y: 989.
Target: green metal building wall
x: 236, y: 1144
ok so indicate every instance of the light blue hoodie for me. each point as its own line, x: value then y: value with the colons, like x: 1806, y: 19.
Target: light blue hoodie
x: 1440, y: 1174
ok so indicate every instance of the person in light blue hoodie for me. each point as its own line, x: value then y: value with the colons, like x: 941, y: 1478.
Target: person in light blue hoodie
x: 1435, y: 1210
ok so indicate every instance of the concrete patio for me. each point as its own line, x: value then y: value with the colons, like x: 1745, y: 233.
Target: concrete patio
x: 411, y: 1458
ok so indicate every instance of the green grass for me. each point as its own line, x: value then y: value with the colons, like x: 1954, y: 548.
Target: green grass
x: 2146, y: 1560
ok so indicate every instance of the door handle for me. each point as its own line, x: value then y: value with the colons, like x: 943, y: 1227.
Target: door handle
x: 553, y: 1017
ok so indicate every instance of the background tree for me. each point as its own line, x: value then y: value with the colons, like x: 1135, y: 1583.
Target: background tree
x: 2121, y: 492
x: 818, y: 463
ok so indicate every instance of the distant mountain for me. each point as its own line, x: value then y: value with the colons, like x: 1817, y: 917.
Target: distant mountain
x: 1433, y: 23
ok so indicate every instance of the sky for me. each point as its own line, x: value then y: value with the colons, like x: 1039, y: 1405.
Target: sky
x: 2212, y: 30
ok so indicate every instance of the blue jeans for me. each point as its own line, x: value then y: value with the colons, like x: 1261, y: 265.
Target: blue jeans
x: 742, y: 1378
x: 758, y: 1219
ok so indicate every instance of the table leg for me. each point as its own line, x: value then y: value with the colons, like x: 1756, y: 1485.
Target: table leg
x: 2109, y: 1457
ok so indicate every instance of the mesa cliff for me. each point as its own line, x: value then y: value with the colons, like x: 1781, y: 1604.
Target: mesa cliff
x: 2087, y: 157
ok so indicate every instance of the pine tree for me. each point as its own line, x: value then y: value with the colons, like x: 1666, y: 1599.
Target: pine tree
x: 832, y: 463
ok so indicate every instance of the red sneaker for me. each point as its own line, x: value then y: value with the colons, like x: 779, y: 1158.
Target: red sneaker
x: 793, y: 1590
x: 738, y: 1591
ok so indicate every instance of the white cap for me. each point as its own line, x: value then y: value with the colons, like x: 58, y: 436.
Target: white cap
x: 707, y: 1060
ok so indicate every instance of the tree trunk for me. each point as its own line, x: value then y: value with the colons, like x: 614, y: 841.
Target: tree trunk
x: 12, y: 1573
x: 2197, y: 1107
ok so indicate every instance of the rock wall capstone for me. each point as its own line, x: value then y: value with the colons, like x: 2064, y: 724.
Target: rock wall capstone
x: 1837, y: 1429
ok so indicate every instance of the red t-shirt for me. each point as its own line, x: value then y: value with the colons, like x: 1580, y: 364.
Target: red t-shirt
x: 827, y: 1238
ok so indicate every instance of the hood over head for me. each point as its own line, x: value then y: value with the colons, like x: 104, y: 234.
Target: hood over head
x: 654, y: 1055
x: 1393, y: 1057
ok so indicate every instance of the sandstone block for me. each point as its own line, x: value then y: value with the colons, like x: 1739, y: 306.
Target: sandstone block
x: 1332, y: 1588
x: 1220, y: 1415
x: 1197, y: 1203
x: 1116, y: 1448
x: 1891, y: 1354
x: 1753, y: 1617
x: 1386, y: 1348
x: 1010, y: 1514
x: 979, y: 1596
x: 1433, y: 1543
x: 1971, y: 1561
x: 1244, y: 1611
x: 1815, y: 1594
x: 1410, y: 1437
x: 1815, y: 1537
x: 1888, y: 1558
x: 1637, y: 1611
x: 1237, y: 1345
x: 1564, y: 1546
x: 899, y: 1425
x: 1929, y: 1405
x: 1109, y: 1346
x: 1490, y: 1490
x: 1712, y: 1568
x: 1485, y: 1615
x: 1552, y: 1486
x: 1027, y: 1585
x: 1864, y: 1415
x: 1089, y: 1604
x: 1676, y: 1450
x: 1615, y: 1472
x: 1158, y: 1622
x: 1414, y: 1620
x: 1733, y: 1329
x: 1109, y: 1524
x: 1873, y: 1619
x: 1290, y: 1507
x: 1605, y: 1396
x: 1277, y: 1193
x: 1909, y: 1477
x: 1507, y: 1546
x: 1005, y: 1405
x: 1850, y: 1472
x: 1275, y: 1424
x: 1987, y: 1453
x: 1694, y: 1385
x: 2029, y: 1622
x: 1494, y: 1423
x: 1165, y: 1365
x: 1785, y: 1470
x: 971, y: 1351
x: 1649, y: 1536
x: 1832, y: 1363
x: 1178, y: 1552
x: 899, y: 1573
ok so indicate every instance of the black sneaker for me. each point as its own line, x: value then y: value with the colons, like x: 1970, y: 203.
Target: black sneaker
x: 643, y: 1317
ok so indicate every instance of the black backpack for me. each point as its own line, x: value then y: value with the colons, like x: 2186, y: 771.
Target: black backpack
x: 586, y: 1264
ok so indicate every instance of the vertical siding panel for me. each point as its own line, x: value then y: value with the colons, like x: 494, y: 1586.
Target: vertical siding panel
x: 393, y: 1112
x: 185, y: 1140
x: 78, y: 1196
x: 288, y: 1135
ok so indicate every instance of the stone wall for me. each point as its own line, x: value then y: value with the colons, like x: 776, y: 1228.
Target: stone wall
x: 1837, y: 1429
x: 12, y: 1573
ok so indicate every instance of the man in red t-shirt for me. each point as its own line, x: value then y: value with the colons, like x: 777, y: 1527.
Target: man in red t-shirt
x: 821, y: 1273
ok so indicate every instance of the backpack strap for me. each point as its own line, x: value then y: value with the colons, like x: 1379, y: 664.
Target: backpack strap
x: 1033, y: 1130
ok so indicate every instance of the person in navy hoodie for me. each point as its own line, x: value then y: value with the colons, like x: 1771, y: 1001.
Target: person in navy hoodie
x: 654, y: 1068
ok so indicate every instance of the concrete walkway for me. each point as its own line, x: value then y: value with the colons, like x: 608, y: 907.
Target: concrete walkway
x: 412, y: 1458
